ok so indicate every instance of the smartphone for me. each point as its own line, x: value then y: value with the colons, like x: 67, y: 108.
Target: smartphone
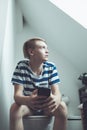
x: 44, y: 91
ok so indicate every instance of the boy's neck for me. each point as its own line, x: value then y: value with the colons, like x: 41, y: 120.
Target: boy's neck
x: 36, y: 68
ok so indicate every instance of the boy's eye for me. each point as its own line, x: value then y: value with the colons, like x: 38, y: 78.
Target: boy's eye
x: 42, y: 47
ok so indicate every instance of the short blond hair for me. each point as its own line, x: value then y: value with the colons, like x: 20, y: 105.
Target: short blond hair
x: 31, y: 43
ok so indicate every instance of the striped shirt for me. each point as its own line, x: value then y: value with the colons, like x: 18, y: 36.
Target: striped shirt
x: 23, y: 75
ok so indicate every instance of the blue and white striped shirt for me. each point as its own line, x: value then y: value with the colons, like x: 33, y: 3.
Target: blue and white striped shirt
x: 24, y: 76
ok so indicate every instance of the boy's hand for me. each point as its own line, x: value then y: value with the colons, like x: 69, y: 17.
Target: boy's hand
x: 35, y: 101
x: 50, y: 104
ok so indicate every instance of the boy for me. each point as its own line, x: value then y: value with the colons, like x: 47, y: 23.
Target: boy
x: 28, y: 76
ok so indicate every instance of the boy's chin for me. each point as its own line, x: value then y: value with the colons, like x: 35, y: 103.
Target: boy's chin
x: 46, y: 59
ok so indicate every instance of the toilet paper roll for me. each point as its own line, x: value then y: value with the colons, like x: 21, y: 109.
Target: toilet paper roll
x: 66, y: 99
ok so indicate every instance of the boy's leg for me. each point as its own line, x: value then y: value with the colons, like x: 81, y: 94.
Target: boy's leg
x: 60, y: 121
x: 60, y: 114
x: 16, y: 114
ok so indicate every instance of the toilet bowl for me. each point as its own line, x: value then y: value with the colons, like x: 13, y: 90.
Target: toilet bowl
x: 46, y: 123
x: 38, y: 122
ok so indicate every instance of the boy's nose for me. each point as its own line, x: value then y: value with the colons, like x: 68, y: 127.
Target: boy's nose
x: 47, y: 51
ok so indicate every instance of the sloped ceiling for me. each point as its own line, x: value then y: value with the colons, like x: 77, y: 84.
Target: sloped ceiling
x: 64, y: 34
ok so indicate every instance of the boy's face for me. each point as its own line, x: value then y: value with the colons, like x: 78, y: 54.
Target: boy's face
x: 40, y: 52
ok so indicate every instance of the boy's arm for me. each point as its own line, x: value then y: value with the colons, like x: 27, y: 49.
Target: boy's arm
x: 31, y: 101
x: 56, y: 92
x: 19, y: 98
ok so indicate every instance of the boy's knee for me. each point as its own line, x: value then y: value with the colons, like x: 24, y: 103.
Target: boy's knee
x: 18, y: 111
x: 63, y: 108
x: 61, y: 111
x: 14, y: 111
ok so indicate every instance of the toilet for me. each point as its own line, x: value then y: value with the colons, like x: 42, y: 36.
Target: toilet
x: 46, y: 123
x: 38, y: 122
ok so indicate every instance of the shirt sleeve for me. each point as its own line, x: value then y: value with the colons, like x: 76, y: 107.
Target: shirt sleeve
x: 17, y: 77
x: 54, y: 76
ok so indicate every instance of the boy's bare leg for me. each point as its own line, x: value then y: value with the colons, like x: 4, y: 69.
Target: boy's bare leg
x: 60, y: 121
x: 16, y: 114
x: 60, y: 117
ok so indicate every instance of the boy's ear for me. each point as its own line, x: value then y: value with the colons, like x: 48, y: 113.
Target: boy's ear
x: 31, y: 52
